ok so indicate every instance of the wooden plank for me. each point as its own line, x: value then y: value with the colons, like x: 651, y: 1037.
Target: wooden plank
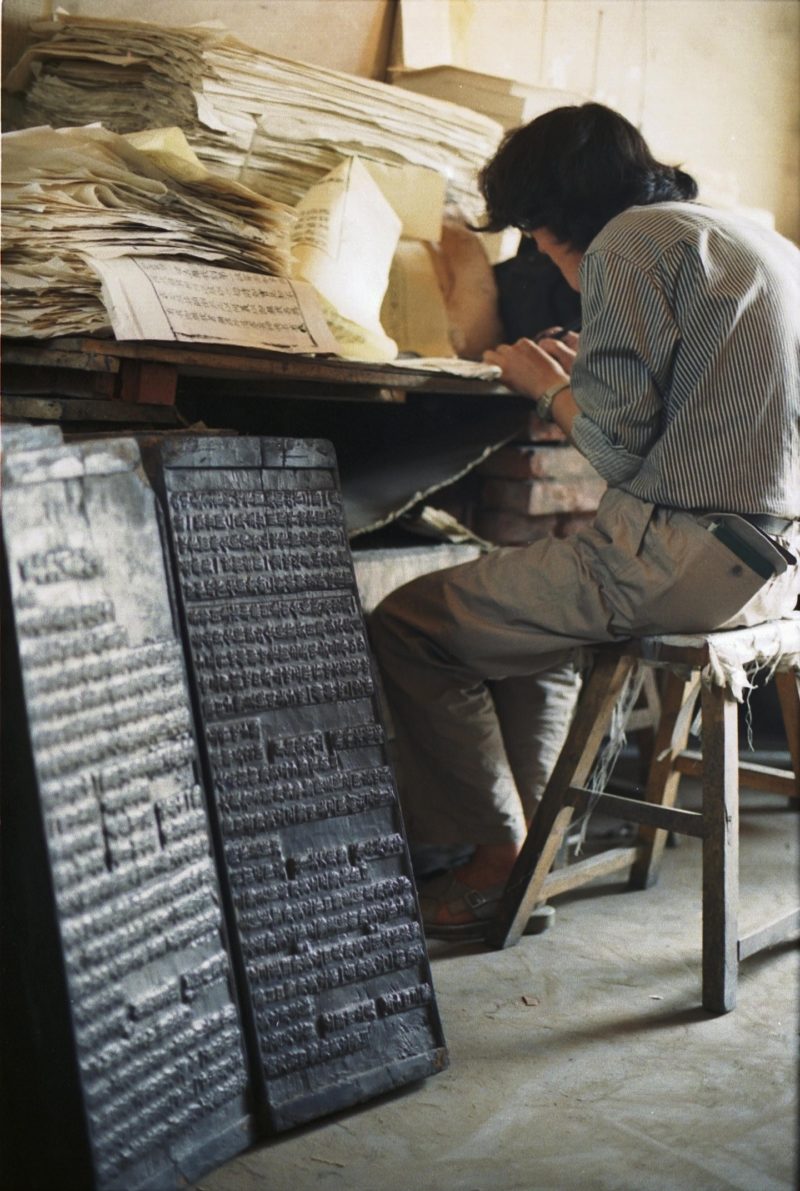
x: 282, y: 364
x: 582, y: 871
x: 31, y: 409
x: 765, y: 778
x: 31, y: 380
x: 636, y: 810
x: 656, y: 651
x: 774, y: 932
x: 47, y: 409
x: 14, y: 353
x: 720, y: 849
x: 207, y: 383
x: 143, y: 382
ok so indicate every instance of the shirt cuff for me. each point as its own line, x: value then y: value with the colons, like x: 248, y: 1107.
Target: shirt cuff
x: 613, y: 463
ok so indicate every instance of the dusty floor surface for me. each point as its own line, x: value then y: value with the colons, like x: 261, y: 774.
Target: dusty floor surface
x: 581, y: 1058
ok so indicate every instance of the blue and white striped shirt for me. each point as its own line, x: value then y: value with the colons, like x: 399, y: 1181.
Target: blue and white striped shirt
x: 688, y: 371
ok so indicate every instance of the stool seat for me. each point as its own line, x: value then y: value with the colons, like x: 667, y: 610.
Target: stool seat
x: 718, y: 667
x: 733, y: 654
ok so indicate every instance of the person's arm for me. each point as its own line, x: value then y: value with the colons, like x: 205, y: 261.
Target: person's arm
x: 621, y: 375
x: 532, y: 368
x: 625, y: 371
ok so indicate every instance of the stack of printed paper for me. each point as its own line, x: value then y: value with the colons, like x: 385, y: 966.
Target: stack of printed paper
x: 508, y: 101
x: 276, y: 125
x: 82, y: 194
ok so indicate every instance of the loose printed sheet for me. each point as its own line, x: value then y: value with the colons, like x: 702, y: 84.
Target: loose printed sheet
x: 161, y: 299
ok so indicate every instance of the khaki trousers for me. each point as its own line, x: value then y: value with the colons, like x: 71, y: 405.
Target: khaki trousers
x: 477, y: 660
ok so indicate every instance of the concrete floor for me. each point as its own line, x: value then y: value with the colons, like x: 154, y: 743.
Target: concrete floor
x: 581, y: 1058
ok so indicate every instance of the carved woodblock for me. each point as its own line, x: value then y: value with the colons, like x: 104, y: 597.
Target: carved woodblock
x: 111, y: 900
x: 333, y: 967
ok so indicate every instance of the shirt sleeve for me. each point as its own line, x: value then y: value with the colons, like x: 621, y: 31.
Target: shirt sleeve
x: 622, y: 372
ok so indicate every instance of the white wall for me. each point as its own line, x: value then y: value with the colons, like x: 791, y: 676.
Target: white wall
x: 713, y: 84
x: 351, y: 35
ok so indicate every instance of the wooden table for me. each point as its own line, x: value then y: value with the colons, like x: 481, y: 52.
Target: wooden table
x: 103, y: 379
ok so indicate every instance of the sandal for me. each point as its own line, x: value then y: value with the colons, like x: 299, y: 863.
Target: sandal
x: 447, y: 890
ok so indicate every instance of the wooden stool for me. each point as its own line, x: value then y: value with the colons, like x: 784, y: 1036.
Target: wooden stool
x: 716, y: 664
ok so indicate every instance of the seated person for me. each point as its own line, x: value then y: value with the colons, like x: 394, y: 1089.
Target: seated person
x: 683, y: 391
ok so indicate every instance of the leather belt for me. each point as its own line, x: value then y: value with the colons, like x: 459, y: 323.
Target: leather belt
x: 769, y: 524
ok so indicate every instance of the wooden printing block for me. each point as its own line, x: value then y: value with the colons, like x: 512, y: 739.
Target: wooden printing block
x: 330, y: 956
x: 123, y: 1049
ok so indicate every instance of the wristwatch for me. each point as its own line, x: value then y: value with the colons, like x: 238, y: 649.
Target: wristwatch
x: 544, y: 404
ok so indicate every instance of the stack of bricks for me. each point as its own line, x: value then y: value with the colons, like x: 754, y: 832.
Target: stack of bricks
x: 535, y: 486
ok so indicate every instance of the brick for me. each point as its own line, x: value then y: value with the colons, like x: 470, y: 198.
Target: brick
x: 540, y: 497
x: 570, y: 523
x: 539, y: 431
x: 521, y: 461
x: 513, y: 529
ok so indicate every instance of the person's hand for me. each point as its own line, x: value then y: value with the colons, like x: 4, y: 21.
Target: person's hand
x: 563, y: 347
x: 528, y: 367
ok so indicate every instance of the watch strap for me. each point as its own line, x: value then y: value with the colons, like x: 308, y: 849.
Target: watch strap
x: 544, y: 404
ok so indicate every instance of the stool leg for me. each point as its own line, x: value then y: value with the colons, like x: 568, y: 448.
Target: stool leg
x: 788, y: 688
x: 662, y: 782
x: 643, y: 722
x: 592, y: 717
x: 720, y: 849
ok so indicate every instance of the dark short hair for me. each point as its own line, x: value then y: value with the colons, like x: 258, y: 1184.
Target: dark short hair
x: 571, y: 170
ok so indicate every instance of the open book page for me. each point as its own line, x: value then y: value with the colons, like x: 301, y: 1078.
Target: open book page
x: 343, y: 244
x: 160, y: 299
